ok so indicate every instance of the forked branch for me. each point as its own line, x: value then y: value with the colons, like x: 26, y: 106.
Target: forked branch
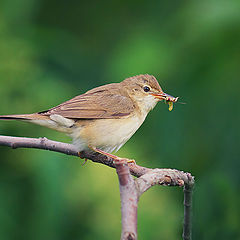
x: 130, y: 189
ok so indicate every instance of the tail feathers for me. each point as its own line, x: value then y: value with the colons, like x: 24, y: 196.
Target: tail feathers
x: 57, y: 123
x: 33, y: 116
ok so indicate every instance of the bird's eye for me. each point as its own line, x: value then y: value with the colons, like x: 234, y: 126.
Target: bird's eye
x: 146, y: 89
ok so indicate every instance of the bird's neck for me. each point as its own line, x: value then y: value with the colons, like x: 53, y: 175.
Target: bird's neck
x: 144, y: 105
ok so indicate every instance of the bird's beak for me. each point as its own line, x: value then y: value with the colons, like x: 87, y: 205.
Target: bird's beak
x: 165, y: 96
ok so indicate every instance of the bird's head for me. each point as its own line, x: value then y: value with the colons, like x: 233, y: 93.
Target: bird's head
x: 146, y: 92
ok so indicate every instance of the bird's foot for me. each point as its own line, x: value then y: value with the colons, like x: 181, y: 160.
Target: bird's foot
x: 80, y: 155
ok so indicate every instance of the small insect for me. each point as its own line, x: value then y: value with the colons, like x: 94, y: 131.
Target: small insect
x: 170, y: 100
x: 170, y: 106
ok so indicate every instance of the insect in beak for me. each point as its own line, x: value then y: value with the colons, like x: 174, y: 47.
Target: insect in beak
x: 168, y: 99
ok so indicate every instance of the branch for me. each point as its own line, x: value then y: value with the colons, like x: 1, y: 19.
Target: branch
x: 69, y: 149
x: 130, y: 189
x: 130, y: 192
x: 129, y: 201
x: 187, y: 211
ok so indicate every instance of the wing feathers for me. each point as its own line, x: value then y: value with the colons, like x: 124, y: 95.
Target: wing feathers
x: 102, y: 102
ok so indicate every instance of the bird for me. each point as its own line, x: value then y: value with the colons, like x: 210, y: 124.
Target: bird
x: 104, y: 118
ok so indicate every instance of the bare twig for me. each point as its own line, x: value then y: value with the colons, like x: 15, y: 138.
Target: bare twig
x: 130, y: 189
x: 166, y: 177
x: 187, y: 209
x: 129, y: 201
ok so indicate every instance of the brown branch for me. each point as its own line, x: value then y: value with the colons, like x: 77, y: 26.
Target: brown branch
x: 166, y: 177
x: 129, y: 201
x: 188, y: 188
x: 130, y: 189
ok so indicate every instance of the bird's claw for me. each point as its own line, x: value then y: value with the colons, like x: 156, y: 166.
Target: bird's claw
x: 80, y: 155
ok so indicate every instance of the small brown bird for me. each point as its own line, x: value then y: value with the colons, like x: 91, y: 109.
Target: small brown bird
x: 104, y: 118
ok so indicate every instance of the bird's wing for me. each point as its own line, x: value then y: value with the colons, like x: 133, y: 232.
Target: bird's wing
x: 97, y: 103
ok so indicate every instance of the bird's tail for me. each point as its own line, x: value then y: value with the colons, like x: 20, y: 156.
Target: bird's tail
x: 26, y: 117
x: 39, y: 119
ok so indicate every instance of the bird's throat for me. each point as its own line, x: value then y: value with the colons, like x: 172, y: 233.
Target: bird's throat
x: 145, y: 105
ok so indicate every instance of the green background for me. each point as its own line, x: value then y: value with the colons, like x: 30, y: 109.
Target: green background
x: 51, y: 51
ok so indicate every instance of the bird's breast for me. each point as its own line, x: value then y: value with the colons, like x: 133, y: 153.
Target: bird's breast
x: 106, y: 134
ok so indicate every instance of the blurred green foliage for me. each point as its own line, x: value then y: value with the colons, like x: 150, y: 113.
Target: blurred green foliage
x: 53, y: 50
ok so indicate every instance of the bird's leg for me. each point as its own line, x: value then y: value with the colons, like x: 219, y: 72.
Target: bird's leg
x: 116, y: 158
x: 103, y: 153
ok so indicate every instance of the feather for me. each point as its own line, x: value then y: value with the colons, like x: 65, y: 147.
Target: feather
x: 107, y: 101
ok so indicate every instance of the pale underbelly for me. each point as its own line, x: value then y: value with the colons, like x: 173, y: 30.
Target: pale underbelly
x: 106, y: 134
